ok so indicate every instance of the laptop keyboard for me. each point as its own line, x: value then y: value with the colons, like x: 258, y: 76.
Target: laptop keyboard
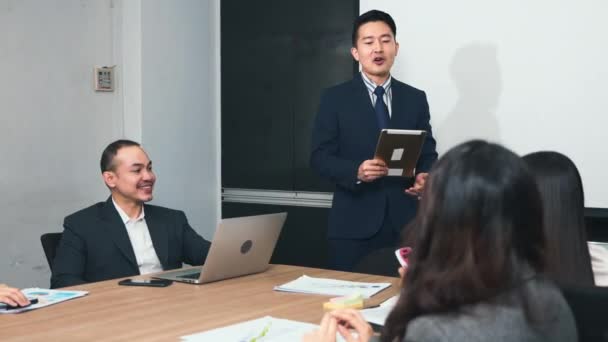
x: 191, y: 275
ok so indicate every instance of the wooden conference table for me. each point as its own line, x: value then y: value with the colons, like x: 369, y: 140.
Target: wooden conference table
x: 118, y: 313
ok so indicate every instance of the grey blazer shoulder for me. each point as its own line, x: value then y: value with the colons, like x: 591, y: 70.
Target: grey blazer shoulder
x: 503, y: 322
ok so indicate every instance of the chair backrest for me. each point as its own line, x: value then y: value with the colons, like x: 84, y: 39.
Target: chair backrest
x: 379, y: 262
x: 50, y: 241
x: 590, y: 308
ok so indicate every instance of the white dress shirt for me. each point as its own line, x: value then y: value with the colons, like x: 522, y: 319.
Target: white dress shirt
x: 146, y: 257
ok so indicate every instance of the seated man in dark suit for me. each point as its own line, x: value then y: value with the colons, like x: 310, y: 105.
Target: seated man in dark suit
x: 123, y: 236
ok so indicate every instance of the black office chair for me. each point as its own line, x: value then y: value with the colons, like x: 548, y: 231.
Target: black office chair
x: 50, y: 241
x: 590, y: 308
x: 379, y: 262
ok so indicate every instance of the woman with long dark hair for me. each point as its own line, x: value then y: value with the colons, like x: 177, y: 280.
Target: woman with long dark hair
x: 568, y: 255
x: 476, y: 269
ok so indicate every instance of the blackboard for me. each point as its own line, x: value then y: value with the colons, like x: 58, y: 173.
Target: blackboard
x: 277, y: 56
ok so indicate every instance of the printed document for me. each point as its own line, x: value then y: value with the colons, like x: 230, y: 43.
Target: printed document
x: 331, y: 287
x: 265, y: 329
x: 45, y: 298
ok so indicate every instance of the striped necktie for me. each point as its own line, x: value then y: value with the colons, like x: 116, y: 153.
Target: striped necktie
x: 381, y: 108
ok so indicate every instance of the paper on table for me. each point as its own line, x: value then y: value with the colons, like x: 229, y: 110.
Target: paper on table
x: 378, y: 315
x: 331, y: 287
x: 45, y: 298
x: 266, y: 329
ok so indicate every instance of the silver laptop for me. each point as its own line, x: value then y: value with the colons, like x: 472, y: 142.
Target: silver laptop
x: 241, y: 246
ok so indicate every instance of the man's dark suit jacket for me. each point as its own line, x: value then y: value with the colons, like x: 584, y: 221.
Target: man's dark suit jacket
x: 345, y: 134
x: 95, y: 245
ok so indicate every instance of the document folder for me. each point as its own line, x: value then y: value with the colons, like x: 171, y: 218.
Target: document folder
x: 400, y: 150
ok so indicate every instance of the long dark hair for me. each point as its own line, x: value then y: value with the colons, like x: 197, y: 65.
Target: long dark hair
x: 478, y: 234
x: 561, y: 189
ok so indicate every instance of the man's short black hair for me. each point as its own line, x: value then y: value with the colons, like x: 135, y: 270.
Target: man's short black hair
x: 370, y: 16
x: 107, y: 157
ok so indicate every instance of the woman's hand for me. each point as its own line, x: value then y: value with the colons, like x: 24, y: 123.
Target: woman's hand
x: 341, y: 321
x: 325, y: 333
x: 351, y: 319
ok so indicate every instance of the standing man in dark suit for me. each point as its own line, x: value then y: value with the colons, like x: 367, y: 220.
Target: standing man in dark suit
x: 369, y: 209
x: 123, y: 236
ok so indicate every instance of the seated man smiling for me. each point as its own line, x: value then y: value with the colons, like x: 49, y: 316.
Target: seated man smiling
x: 122, y: 236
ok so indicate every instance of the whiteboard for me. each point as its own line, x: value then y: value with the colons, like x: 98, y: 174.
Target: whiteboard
x: 527, y: 74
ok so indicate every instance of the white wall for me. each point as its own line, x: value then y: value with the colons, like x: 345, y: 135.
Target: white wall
x: 528, y: 74
x: 53, y: 126
x: 180, y: 93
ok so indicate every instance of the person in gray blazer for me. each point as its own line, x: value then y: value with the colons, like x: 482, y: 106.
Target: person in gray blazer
x: 476, y: 272
x: 122, y: 236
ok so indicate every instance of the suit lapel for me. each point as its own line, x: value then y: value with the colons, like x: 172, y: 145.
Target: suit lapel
x: 158, y: 233
x: 118, y: 232
x: 364, y: 102
x: 362, y: 94
x: 397, y: 104
x: 399, y: 116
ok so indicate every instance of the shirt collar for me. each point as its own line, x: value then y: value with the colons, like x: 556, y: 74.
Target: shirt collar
x: 371, y: 85
x: 124, y: 217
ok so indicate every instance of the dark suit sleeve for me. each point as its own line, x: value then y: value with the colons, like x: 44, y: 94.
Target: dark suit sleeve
x: 69, y: 262
x: 428, y: 154
x: 325, y: 158
x: 194, y: 246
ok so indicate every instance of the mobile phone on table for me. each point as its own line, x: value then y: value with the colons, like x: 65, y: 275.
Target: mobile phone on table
x: 402, y: 255
x: 146, y: 282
